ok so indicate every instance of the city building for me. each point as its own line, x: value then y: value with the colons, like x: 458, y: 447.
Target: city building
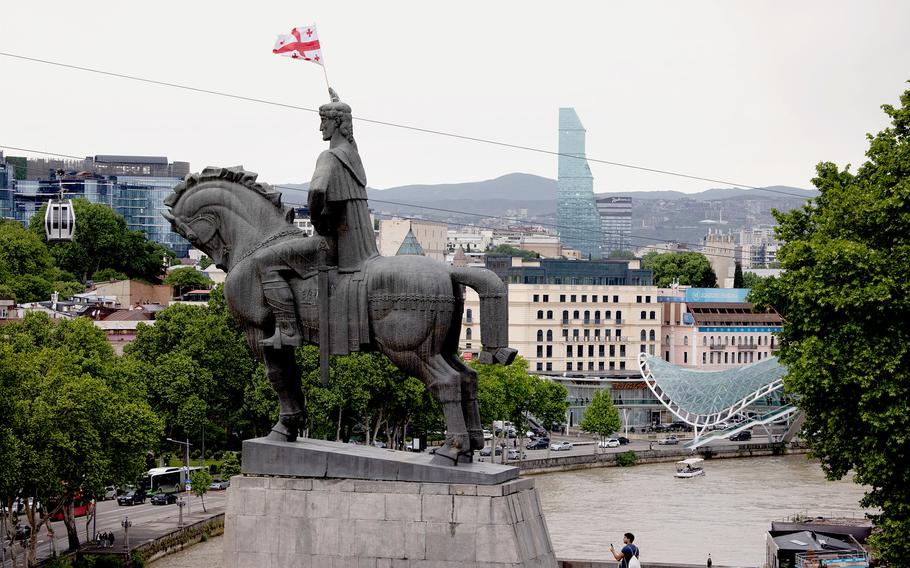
x: 302, y: 221
x: 432, y: 236
x: 714, y: 328
x: 576, y: 212
x: 721, y: 250
x: 615, y: 223
x: 758, y: 247
x: 7, y: 181
x: 133, y: 186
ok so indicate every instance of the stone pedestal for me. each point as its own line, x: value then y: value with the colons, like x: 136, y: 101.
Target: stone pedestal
x: 321, y: 522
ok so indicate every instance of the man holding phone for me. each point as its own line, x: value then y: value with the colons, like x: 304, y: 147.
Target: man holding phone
x: 628, y: 556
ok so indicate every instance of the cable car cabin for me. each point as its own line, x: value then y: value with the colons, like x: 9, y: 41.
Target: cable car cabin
x: 59, y: 221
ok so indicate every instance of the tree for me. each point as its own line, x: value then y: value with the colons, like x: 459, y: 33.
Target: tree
x: 845, y: 342
x: 77, y: 422
x: 27, y: 270
x: 620, y: 254
x: 513, y: 251
x: 103, y: 240
x: 751, y: 280
x: 690, y: 268
x: 601, y: 416
x: 199, y: 482
x: 230, y: 466
x: 186, y: 277
x: 738, y: 276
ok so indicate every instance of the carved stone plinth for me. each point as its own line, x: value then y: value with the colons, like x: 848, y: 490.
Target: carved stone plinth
x: 295, y: 522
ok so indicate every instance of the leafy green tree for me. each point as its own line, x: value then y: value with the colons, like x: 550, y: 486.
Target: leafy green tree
x: 845, y: 340
x: 103, y: 240
x: 77, y: 423
x: 691, y: 268
x: 751, y: 280
x: 27, y: 270
x: 601, y: 416
x: 205, y: 262
x: 513, y: 251
x: 187, y: 278
x: 230, y: 466
x: 199, y: 482
x: 620, y: 254
x: 109, y: 275
x: 738, y: 276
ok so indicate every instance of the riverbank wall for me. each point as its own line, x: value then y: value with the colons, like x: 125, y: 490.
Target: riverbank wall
x: 556, y: 463
x: 613, y: 564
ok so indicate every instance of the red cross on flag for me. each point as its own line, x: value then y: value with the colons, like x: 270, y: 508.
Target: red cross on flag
x: 301, y: 43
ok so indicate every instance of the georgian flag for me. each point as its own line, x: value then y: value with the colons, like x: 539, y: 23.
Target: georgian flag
x: 302, y: 43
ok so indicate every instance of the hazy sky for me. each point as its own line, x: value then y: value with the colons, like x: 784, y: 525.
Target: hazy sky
x: 751, y: 92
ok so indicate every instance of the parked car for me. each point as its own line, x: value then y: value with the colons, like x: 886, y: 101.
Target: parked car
x: 220, y: 485
x: 668, y: 441
x: 538, y: 444
x: 110, y: 492
x: 560, y: 446
x: 487, y: 435
x: 23, y: 531
x: 378, y: 444
x: 660, y: 427
x: 488, y: 451
x: 164, y: 498
x: 516, y: 454
x: 608, y: 443
x: 680, y: 426
x: 622, y: 440
x: 741, y: 436
x: 131, y: 498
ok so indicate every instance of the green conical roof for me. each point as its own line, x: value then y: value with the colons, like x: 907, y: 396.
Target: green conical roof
x: 410, y: 246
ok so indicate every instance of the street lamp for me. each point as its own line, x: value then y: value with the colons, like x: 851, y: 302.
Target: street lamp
x: 186, y: 460
x: 126, y: 523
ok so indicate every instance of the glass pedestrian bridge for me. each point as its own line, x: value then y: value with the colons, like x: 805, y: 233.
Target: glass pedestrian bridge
x: 715, y: 402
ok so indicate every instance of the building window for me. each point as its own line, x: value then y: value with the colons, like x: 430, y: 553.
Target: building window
x: 573, y: 298
x: 562, y: 297
x: 467, y: 334
x: 596, y: 316
x: 565, y: 333
x: 549, y: 366
x: 536, y: 297
x: 651, y: 336
x: 590, y: 365
x: 685, y: 357
x: 612, y: 351
x: 600, y: 350
x: 565, y: 316
x: 584, y: 298
x: 622, y: 365
x: 607, y: 314
x: 549, y: 335
x: 726, y: 358
x: 575, y: 334
x: 643, y: 348
x: 549, y: 350
x: 569, y: 351
x: 581, y: 350
x: 467, y: 345
x: 469, y: 315
x: 540, y: 314
x: 539, y: 335
x: 587, y: 316
x: 575, y: 314
x: 637, y: 299
x: 704, y: 341
x: 600, y: 365
x: 686, y: 340
x: 594, y: 298
x: 622, y: 350
x: 546, y: 297
x: 612, y: 365
x: 704, y: 357
x: 539, y: 366
x: 712, y: 357
x: 540, y: 350
x: 591, y: 350
x: 569, y: 366
x: 615, y: 299
x: 618, y: 316
x: 549, y: 314
x: 643, y: 315
x: 644, y: 335
x: 647, y: 299
x: 653, y: 315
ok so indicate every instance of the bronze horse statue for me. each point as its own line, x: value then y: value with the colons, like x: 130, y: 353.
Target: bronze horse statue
x: 407, y: 307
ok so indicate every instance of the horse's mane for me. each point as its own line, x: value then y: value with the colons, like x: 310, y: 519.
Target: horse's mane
x: 236, y: 175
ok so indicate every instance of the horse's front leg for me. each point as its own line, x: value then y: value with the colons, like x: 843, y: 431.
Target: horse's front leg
x: 284, y: 374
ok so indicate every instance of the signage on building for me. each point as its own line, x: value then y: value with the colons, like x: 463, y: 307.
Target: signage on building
x: 696, y: 295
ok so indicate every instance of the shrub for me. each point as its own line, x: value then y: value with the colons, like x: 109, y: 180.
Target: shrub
x: 626, y: 459
x: 218, y: 454
x: 213, y: 468
x: 195, y: 454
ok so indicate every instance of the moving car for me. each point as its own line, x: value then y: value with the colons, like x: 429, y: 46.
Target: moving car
x: 741, y: 436
x: 668, y: 441
x: 622, y: 440
x: 219, y: 485
x: 538, y: 444
x: 488, y: 451
x: 515, y: 454
x: 608, y: 443
x: 131, y: 498
x: 560, y: 446
x: 164, y: 498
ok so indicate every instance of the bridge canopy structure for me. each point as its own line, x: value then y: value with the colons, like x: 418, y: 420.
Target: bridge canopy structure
x: 705, y: 399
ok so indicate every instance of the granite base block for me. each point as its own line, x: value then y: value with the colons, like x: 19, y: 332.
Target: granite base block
x: 284, y: 522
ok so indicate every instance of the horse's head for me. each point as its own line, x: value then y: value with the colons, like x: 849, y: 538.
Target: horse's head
x: 223, y: 211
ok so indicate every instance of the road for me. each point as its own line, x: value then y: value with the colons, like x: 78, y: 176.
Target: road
x: 110, y: 515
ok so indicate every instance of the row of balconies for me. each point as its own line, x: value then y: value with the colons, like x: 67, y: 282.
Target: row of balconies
x: 621, y: 339
x: 722, y: 346
x: 594, y: 321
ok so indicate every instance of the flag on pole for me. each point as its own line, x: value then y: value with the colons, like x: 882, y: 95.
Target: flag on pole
x: 302, y: 43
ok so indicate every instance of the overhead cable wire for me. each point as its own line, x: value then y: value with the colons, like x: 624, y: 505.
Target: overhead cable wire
x: 396, y: 125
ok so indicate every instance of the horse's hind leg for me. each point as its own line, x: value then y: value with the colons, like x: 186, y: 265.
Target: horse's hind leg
x: 468, y: 401
x: 283, y: 372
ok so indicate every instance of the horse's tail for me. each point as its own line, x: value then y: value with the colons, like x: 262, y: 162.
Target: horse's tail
x: 494, y: 312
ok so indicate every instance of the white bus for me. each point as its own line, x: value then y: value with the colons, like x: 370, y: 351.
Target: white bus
x: 167, y: 479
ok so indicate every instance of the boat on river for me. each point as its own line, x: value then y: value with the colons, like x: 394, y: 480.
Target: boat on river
x: 689, y: 468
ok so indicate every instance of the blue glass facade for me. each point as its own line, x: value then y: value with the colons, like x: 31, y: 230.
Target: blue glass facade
x: 577, y: 218
x: 6, y: 189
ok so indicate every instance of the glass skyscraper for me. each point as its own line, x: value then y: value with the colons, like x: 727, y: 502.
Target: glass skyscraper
x: 576, y: 213
x: 616, y: 223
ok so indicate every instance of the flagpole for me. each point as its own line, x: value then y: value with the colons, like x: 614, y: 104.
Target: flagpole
x: 327, y: 86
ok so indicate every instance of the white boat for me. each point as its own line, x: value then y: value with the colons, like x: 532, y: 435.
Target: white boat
x: 689, y: 468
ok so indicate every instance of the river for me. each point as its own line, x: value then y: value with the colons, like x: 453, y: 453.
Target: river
x: 727, y: 512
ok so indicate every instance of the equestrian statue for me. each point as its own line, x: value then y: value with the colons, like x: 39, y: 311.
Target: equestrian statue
x: 334, y: 289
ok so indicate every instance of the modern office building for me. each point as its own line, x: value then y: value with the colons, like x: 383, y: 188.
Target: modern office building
x: 7, y: 180
x: 133, y: 186
x: 615, y: 223
x: 576, y: 213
